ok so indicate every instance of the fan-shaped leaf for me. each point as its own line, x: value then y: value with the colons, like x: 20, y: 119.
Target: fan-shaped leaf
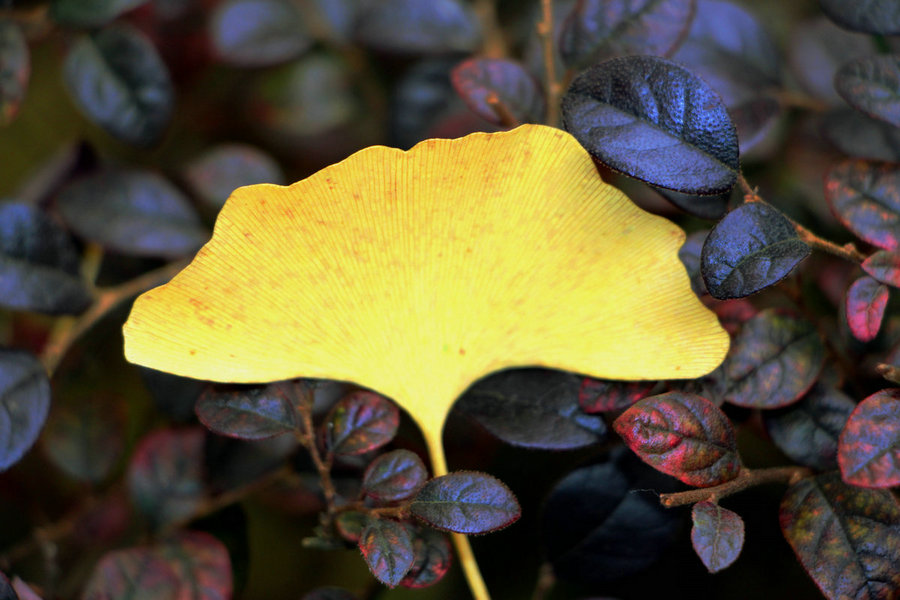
x: 717, y: 535
x: 24, y: 403
x: 432, y: 559
x: 884, y: 266
x: 869, y: 449
x: 15, y: 69
x: 682, y: 435
x: 257, y: 33
x: 870, y: 16
x: 866, y: 301
x: 361, y: 422
x: 872, y: 85
x: 865, y: 197
x: 394, y: 476
x: 415, y: 27
x: 387, y: 548
x: 253, y: 412
x: 118, y: 80
x: 466, y: 502
x: 38, y: 263
x: 598, y: 395
x: 753, y: 247
x: 221, y: 170
x: 500, y: 91
x: 85, y: 436
x: 654, y: 120
x: 90, y: 13
x: 847, y: 538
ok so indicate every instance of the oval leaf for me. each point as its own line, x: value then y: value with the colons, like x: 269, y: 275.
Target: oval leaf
x: 711, y: 207
x: 201, y: 563
x: 387, y: 548
x: 221, y: 170
x: 394, y: 476
x: 466, y: 502
x: 90, y: 13
x: 717, y: 535
x: 865, y: 197
x: 847, y: 538
x: 118, y: 80
x: 866, y: 301
x: 500, y: 91
x: 134, y: 573
x: 415, y: 27
x: 652, y: 119
x: 132, y: 212
x: 361, y: 422
x: 753, y: 247
x: 598, y: 395
x: 861, y: 136
x: 533, y: 408
x: 257, y: 33
x: 24, y: 403
x: 871, y: 16
x: 869, y: 448
x: 39, y: 265
x: 253, y: 412
x: 773, y: 361
x: 884, y: 266
x: 872, y: 85
x: 433, y: 556
x: 15, y: 69
x: 682, y: 435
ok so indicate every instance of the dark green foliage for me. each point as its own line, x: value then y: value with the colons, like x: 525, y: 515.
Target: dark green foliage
x: 90, y: 13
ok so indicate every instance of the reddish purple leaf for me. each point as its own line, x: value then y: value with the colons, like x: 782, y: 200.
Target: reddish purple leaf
x: 220, y: 170
x: 394, y: 476
x: 871, y: 84
x: 869, y: 446
x: 597, y: 395
x: 865, y: 196
x: 253, y: 412
x: 847, y: 538
x: 134, y: 573
x: 201, y: 563
x: 487, y: 83
x: 387, y: 548
x: 361, y: 422
x: 866, y: 301
x: 884, y: 266
x: 466, y: 502
x: 23, y: 590
x: 717, y: 535
x: 682, y: 435
x: 432, y: 559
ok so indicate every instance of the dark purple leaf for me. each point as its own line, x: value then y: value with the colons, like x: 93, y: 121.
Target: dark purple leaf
x: 258, y: 33
x: 466, y: 502
x: 230, y: 463
x: 865, y: 197
x: 15, y: 70
x: 221, y: 170
x: 847, y: 538
x: 6, y: 589
x: 117, y: 78
x: 254, y: 412
x: 39, y: 265
x: 165, y: 477
x: 201, y: 563
x: 174, y: 396
x: 387, y: 548
x: 860, y: 136
x: 329, y: 593
x: 689, y: 254
x: 706, y: 207
x: 24, y: 403
x: 866, y: 301
x: 422, y: 97
x: 23, y: 590
x: 133, y: 212
x: 350, y: 525
x: 432, y: 559
x: 133, y: 573
x: 360, y: 423
x: 773, y: 361
x: 654, y: 120
x: 884, y: 266
x: 596, y: 30
x: 807, y: 431
x: 533, y: 408
x: 872, y: 85
x: 90, y: 13
x: 415, y: 27
x: 682, y: 435
x: 869, y: 448
x: 753, y: 247
x: 869, y: 16
x: 394, y: 476
x: 500, y: 91
x: 717, y: 535
x: 598, y: 395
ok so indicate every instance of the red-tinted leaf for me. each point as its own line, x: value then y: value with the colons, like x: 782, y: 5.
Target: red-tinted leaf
x: 733, y: 314
x: 486, y: 83
x: 865, y: 197
x: 24, y: 403
x: 221, y: 170
x: 597, y: 395
x: 134, y: 573
x: 7, y: 592
x: 432, y: 559
x: 717, y: 535
x: 866, y: 301
x: 416, y: 27
x: 253, y: 412
x: 869, y: 446
x: 166, y: 474
x: 387, y: 548
x: 847, y: 538
x: 773, y: 361
x: 256, y: 33
x: 361, y: 422
x: 884, y: 266
x: 394, y: 476
x: 15, y: 69
x: 201, y: 563
x: 23, y: 590
x: 872, y: 85
x: 466, y: 502
x: 683, y: 435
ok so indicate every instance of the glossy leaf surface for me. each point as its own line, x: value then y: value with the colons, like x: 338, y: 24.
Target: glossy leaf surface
x: 865, y: 197
x: 682, y: 435
x: 39, y: 265
x: 717, y: 535
x: 534, y: 408
x: 415, y: 27
x: 640, y: 115
x: 253, y: 413
x: 869, y: 16
x: 257, y: 33
x: 597, y: 395
x: 361, y: 422
x: 394, y: 476
x: 90, y: 13
x: 15, y: 69
x: 85, y: 437
x: 847, y: 538
x: 222, y: 169
x: 872, y: 85
x: 24, y: 403
x: 869, y: 449
x: 118, y: 80
x: 485, y: 83
x: 132, y: 212
x: 466, y: 502
x: 753, y: 247
x: 884, y: 266
x: 774, y: 360
x: 865, y: 304
x: 432, y: 558
x: 387, y: 548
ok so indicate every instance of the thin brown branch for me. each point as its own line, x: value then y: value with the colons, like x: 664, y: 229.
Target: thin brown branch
x: 747, y: 478
x: 323, y: 464
x: 554, y: 89
x: 494, y: 41
x: 507, y: 119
